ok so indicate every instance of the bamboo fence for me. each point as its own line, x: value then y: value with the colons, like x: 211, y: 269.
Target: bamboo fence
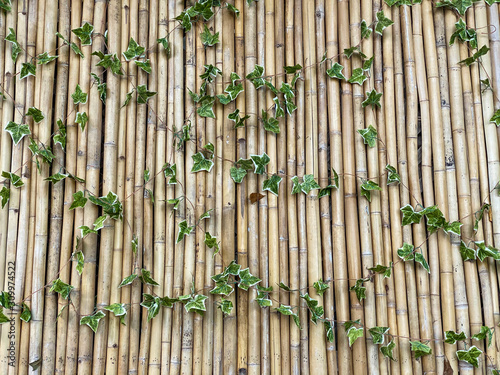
x: 249, y: 187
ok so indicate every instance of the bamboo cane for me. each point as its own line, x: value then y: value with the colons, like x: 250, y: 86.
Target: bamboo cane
x: 493, y: 31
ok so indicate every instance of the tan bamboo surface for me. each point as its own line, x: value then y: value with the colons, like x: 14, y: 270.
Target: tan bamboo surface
x: 434, y: 126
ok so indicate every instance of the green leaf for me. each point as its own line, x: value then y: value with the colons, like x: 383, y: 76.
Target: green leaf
x: 128, y: 96
x: 84, y: 33
x: 435, y: 218
x: 466, y: 252
x: 358, y: 76
x: 369, y: 135
x: 239, y: 121
x: 316, y: 311
x: 55, y: 178
x: 387, y: 350
x: 210, y: 73
x: 255, y: 76
x: 306, y: 186
x: 420, y: 349
x: 128, y: 280
x: 6, y: 5
x: 27, y: 69
x: 270, y: 124
x: 471, y: 60
x: 226, y: 306
x: 496, y: 118
x: 118, y: 309
x: 86, y: 230
x: 406, y: 252
x: 419, y: 258
x: 484, y: 333
x: 80, y: 261
x: 17, y: 131
x: 359, y: 289
x: 196, y: 304
x: 453, y: 227
x: 170, y: 171
x: 14, y: 179
x: 327, y: 190
x: 3, y: 317
x: 168, y: 302
x: 320, y: 287
x: 410, y: 216
x: 365, y: 30
x: 271, y: 87
x: 222, y: 288
x: 134, y: 50
x: 109, y: 62
x: 451, y: 337
x: 146, y: 278
x: 144, y: 65
x: 470, y: 356
x: 367, y: 65
x: 25, y: 314
x: 382, y: 22
x: 353, y: 334
x: 79, y: 96
x: 348, y: 52
x: 329, y: 331
x: 378, y: 333
x: 184, y: 230
x: 36, y: 114
x: 279, y: 112
x: 479, y: 215
x: 200, y: 163
x: 5, y: 195
x: 460, y: 6
x: 237, y: 174
x: 111, y: 205
x: 152, y: 304
x: 16, y: 47
x: 211, y: 242
x: 260, y: 162
x: 272, y: 184
x: 263, y: 296
x: 292, y: 69
x: 287, y: 310
x: 81, y: 119
x: 206, y: 108
x: 61, y: 137
x: 134, y: 243
x: 143, y: 94
x: 73, y: 46
x: 367, y: 187
x: 6, y: 300
x: 62, y: 288
x: 45, y: 58
x: 384, y: 270
x: 484, y: 251
x: 207, y: 38
x: 392, y: 175
x: 373, y: 99
x: 165, y: 43
x: 79, y: 200
x: 247, y: 279
x: 464, y: 34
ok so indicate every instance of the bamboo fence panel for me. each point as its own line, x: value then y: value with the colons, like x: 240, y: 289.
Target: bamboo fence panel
x: 208, y: 187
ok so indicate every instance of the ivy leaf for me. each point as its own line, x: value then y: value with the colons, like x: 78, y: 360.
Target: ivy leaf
x: 134, y: 50
x: 484, y: 251
x: 359, y: 289
x: 470, y: 356
x: 367, y: 187
x: 435, y: 218
x: 210, y: 73
x: 460, y: 6
x: 14, y: 179
x: 3, y: 317
x: 26, y: 313
x: 279, y: 112
x: 237, y: 174
x: 378, y: 333
x: 287, y: 310
x: 170, y: 171
x: 369, y: 135
x: 36, y: 114
x: 471, y: 60
x: 353, y: 334
x: 109, y: 62
x: 247, y: 279
x: 466, y: 252
x: 420, y: 259
x: 206, y: 108
x: 260, y: 162
x: 144, y: 65
x: 6, y: 5
x: 392, y: 175
x: 320, y: 287
x: 73, y: 46
x: 27, y: 69
x: 406, y: 252
x: 272, y: 184
x: 484, y: 333
x: 211, y: 242
x: 45, y: 58
x: 384, y: 270
x: 292, y: 69
x: 5, y: 195
x: 200, y: 163
x: 316, y: 311
x: 82, y: 119
x: 464, y: 34
x: 62, y: 288
x: 80, y: 261
x: 329, y: 330
x: 61, y: 137
x: 17, y: 131
x: 451, y: 337
x: 143, y: 94
x: 207, y: 39
x: 222, y: 288
x: 270, y: 124
x: 128, y: 280
x: 93, y: 320
x: 16, y: 47
x: 387, y: 350
x: 146, y: 278
x: 118, y: 309
x: 373, y: 99
x: 79, y: 96
x: 6, y: 300
x: 84, y: 33
x: 263, y: 296
x: 382, y: 22
x: 111, y: 205
x: 239, y: 121
x: 196, y: 304
x: 55, y: 178
x: 226, y: 306
x: 307, y: 185
x: 453, y: 227
x: 184, y: 230
x: 365, y: 30
x: 420, y: 349
x: 255, y: 76
x: 134, y: 243
x: 348, y: 52
x: 152, y: 304
x: 479, y: 215
x: 79, y: 200
x: 410, y: 215
x: 128, y: 96
x: 358, y: 76
x: 165, y: 43
x: 86, y: 230
x: 496, y: 118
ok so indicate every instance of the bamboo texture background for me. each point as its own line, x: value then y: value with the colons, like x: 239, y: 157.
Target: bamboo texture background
x: 433, y: 126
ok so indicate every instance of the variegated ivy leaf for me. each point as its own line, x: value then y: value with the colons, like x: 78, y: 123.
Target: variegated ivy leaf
x: 308, y: 184
x: 366, y: 31
x: 79, y: 96
x: 86, y: 230
x: 272, y: 184
x: 27, y: 69
x: 378, y: 333
x: 134, y: 50
x: 466, y: 252
x: 5, y: 195
x: 222, y: 288
x: 62, y: 288
x: 73, y: 46
x: 367, y: 187
x: 144, y: 65
x: 320, y: 287
x: 3, y: 317
x: 435, y: 218
x: 263, y: 296
x: 247, y: 279
x: 278, y: 110
x: 6, y: 5
x: 460, y: 6
x: 84, y: 33
x: 292, y: 69
x: 392, y: 175
x: 143, y: 94
x: 36, y: 114
x: 118, y: 309
x: 420, y: 259
x: 226, y: 306
x: 170, y: 172
x: 109, y: 61
x: 82, y: 119
x: 16, y: 47
x: 353, y: 334
x: 453, y: 227
x: 111, y: 205
x: 451, y: 337
x: 128, y: 97
x: 479, y: 215
x: 237, y: 174
x: 152, y: 304
x: 128, y: 280
x: 484, y: 333
x: 384, y: 270
x: 464, y: 34
x: 387, y: 350
x: 6, y: 300
x: 45, y: 58
x: 382, y: 22
x: 25, y: 313
x: 17, y: 131
x: 14, y: 179
x: 348, y: 52
x: 206, y: 106
x: 200, y: 163
x: 336, y: 71
x: 211, y: 242
x: 327, y: 190
x: 420, y: 349
x: 369, y: 136
x: 496, y: 118
x: 367, y: 65
x: 184, y: 230
x: 165, y: 43
x: 146, y: 278
x: 196, y: 304
x: 256, y: 76
x: 287, y: 310
x: 373, y: 99
x: 358, y: 76
x: 260, y: 162
x: 207, y: 38
x: 79, y: 200
x: 470, y: 356
x: 134, y: 243
x: 80, y: 261
x: 239, y: 121
x: 93, y: 320
x: 471, y: 60
x: 359, y: 289
x: 205, y: 215
x: 270, y: 123
x: 316, y: 311
x: 55, y: 178
x: 329, y: 331
x: 410, y: 216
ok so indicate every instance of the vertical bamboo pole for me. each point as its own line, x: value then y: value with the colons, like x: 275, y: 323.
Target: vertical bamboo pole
x: 493, y: 31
